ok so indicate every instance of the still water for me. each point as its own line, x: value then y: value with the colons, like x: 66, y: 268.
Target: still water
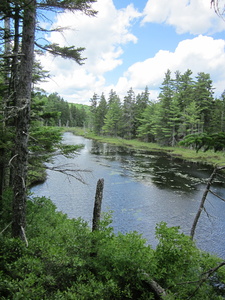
x: 141, y: 189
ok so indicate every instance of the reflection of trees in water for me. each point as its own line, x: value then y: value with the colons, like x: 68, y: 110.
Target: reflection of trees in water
x: 165, y: 171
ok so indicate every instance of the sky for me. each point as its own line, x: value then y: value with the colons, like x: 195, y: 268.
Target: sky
x: 131, y: 44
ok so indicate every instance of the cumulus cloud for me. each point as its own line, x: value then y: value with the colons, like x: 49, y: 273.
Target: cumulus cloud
x: 103, y: 37
x: 195, y: 17
x: 200, y: 54
x: 106, y: 37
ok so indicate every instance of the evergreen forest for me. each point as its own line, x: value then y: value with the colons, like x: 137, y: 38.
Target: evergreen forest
x: 185, y: 113
x: 43, y: 253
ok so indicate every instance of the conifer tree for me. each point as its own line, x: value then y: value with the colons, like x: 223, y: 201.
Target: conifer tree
x: 101, y: 112
x: 165, y: 129
x: 24, y: 17
x: 128, y: 115
x: 112, y: 125
x: 203, y: 93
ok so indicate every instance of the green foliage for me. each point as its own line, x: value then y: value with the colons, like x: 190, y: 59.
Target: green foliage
x: 44, y: 142
x: 66, y: 52
x: 6, y: 209
x: 45, y: 138
x: 215, y: 141
x: 65, y: 260
x: 112, y: 123
x: 181, y: 266
x: 52, y: 110
x: 184, y: 106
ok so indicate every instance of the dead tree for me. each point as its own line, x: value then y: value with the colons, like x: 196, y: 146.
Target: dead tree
x: 201, y: 206
x: 98, y: 205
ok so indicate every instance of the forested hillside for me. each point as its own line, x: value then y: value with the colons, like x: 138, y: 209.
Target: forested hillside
x: 53, y: 110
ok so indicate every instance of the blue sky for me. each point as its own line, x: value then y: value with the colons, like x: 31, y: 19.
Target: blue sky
x: 133, y: 43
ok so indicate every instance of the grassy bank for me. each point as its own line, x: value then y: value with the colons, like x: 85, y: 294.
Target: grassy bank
x: 208, y: 157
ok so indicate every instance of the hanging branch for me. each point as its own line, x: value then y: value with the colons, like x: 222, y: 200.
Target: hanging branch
x: 218, y: 196
x: 201, y: 207
x: 219, y: 9
x: 205, y: 276
x: 69, y: 172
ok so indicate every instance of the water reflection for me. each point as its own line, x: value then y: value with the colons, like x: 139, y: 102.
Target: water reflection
x: 165, y: 171
x: 142, y: 188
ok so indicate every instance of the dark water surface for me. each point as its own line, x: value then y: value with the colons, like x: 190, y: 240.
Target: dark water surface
x: 142, y: 189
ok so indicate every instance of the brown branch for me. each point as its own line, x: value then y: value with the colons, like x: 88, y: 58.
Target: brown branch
x: 24, y: 236
x: 216, y: 195
x: 205, y: 276
x: 201, y: 207
x: 158, y: 291
x: 67, y: 171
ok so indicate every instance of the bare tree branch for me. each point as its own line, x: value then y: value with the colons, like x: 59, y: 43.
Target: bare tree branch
x: 216, y: 195
x: 206, y: 276
x: 69, y: 172
x: 201, y: 207
x: 218, y: 8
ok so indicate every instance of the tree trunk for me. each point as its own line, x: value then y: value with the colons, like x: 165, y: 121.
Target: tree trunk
x: 201, y: 206
x: 3, y: 153
x: 23, y: 103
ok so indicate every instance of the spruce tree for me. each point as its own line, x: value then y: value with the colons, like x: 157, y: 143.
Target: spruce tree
x: 113, y: 119
x: 203, y: 93
x: 128, y: 115
x: 21, y: 62
x: 165, y: 129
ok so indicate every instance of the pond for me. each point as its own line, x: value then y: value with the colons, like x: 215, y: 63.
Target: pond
x: 141, y: 188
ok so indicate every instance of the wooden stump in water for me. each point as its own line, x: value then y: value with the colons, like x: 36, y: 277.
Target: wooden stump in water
x: 98, y: 205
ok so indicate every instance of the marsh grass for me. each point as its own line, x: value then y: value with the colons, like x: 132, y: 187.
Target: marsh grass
x: 210, y: 157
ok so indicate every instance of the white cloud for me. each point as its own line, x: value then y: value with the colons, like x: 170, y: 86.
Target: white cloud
x: 105, y: 37
x: 102, y: 36
x: 200, y: 54
x: 195, y: 17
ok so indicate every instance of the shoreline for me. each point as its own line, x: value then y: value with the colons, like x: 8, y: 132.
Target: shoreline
x: 216, y: 159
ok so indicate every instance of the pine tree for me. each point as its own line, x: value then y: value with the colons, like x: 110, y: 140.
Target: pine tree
x: 203, y: 92
x: 217, y: 123
x: 142, y: 101
x: 101, y: 112
x: 165, y: 127
x: 93, y: 108
x: 148, y: 122
x: 128, y: 115
x: 113, y: 119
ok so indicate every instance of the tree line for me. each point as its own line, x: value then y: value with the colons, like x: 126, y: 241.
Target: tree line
x: 185, y: 112
x: 185, y: 106
x: 53, y: 110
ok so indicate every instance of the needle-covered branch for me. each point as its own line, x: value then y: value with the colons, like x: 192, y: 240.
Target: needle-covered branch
x: 65, y: 52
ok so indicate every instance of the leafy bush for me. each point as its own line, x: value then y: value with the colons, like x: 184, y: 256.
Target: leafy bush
x: 65, y: 260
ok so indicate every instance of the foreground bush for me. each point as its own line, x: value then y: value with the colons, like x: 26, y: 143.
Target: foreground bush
x: 65, y: 260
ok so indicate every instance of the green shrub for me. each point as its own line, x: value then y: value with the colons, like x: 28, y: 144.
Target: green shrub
x: 65, y: 260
